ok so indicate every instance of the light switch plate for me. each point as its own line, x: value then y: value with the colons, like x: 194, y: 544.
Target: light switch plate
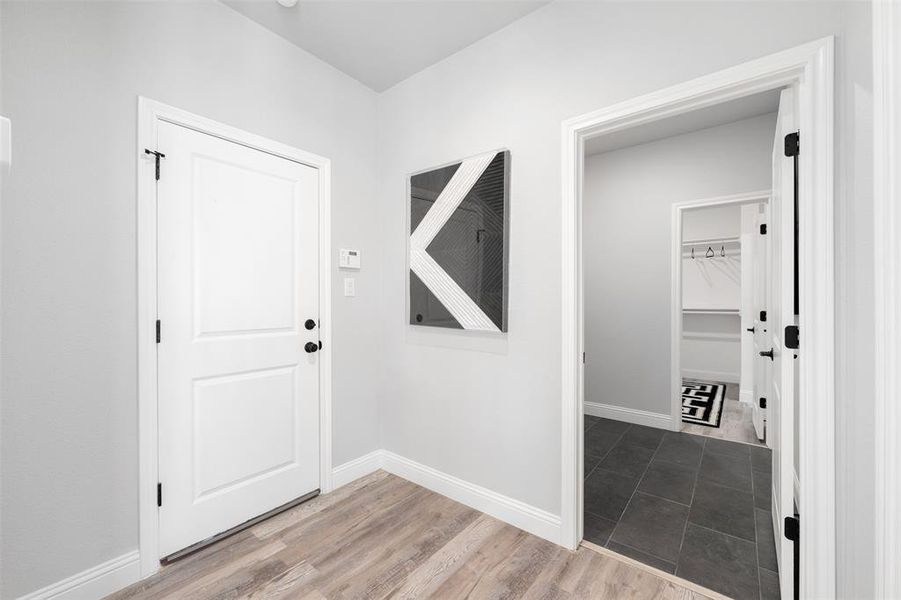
x: 350, y: 286
x: 348, y: 259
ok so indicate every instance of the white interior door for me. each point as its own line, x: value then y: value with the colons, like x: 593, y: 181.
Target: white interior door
x: 238, y: 272
x: 749, y: 233
x: 761, y: 327
x: 784, y: 364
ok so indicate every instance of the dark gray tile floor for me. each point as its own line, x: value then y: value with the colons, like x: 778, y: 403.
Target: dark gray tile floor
x: 694, y: 506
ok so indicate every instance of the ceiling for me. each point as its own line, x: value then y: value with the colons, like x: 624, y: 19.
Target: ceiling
x: 382, y: 43
x: 719, y: 114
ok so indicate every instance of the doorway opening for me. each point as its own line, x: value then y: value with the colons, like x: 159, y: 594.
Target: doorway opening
x: 800, y: 381
x: 662, y: 483
x: 721, y: 277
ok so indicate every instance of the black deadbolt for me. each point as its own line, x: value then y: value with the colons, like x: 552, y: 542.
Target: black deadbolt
x: 309, y: 324
x: 768, y: 353
x: 751, y: 329
x: 311, y: 347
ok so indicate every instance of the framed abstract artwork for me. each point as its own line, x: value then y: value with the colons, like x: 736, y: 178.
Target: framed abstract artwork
x: 458, y: 244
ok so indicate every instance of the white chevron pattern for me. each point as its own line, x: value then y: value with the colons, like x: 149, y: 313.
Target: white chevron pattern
x: 451, y: 295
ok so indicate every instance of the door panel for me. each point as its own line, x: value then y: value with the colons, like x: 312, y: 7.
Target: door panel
x: 238, y: 272
x: 781, y: 301
x: 749, y: 232
x: 762, y: 365
x: 245, y: 249
x: 236, y: 407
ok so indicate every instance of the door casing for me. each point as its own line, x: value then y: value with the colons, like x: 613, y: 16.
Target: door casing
x: 887, y: 297
x: 150, y: 114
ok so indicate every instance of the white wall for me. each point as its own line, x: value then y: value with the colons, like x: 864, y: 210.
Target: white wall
x: 711, y: 347
x: 711, y: 343
x: 627, y: 223
x: 488, y: 410
x: 71, y: 74
x: 716, y: 221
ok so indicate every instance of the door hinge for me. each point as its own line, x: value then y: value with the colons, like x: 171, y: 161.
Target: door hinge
x: 761, y: 402
x: 792, y: 531
x: 159, y: 331
x: 793, y: 144
x: 763, y: 316
x: 792, y: 337
x: 157, y: 156
x: 792, y: 528
x: 583, y: 358
x: 763, y: 229
x: 159, y: 494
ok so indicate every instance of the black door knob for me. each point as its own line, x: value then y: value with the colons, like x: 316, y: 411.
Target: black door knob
x: 311, y: 347
x: 768, y: 353
x: 751, y: 329
x: 309, y: 324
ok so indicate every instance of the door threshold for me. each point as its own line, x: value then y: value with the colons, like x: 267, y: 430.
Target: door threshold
x: 237, y: 529
x: 690, y: 585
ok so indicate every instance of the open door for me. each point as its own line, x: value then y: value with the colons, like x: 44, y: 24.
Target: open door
x: 762, y: 370
x: 782, y: 315
x: 748, y: 238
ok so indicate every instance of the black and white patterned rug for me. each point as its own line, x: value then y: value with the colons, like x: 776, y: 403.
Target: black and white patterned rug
x: 702, y: 402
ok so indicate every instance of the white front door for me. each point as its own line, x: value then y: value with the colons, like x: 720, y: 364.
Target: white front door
x: 238, y: 272
x: 761, y: 327
x: 781, y: 303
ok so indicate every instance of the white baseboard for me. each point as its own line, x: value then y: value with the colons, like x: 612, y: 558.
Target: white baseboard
x: 746, y: 396
x: 356, y: 468
x: 629, y: 415
x: 516, y: 513
x: 96, y: 582
x: 519, y: 514
x: 724, y: 376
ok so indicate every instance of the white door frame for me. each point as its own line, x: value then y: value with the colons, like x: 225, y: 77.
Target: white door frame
x: 679, y: 208
x: 810, y: 67
x: 150, y: 114
x: 887, y: 275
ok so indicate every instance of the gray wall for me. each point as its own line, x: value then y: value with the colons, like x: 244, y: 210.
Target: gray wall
x: 627, y: 248
x: 488, y: 410
x: 71, y: 74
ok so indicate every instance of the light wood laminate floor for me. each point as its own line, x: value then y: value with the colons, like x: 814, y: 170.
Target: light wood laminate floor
x: 736, y: 424
x: 384, y: 537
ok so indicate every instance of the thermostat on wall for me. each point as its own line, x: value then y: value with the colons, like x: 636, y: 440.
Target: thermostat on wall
x: 349, y: 259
